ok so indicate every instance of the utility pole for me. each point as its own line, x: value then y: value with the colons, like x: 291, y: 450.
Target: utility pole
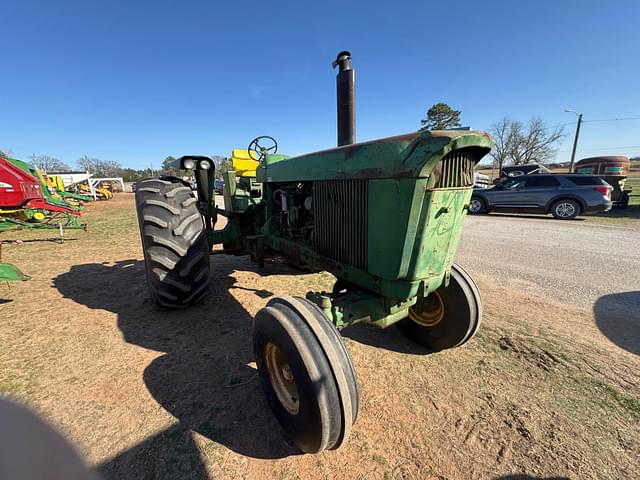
x: 575, y: 140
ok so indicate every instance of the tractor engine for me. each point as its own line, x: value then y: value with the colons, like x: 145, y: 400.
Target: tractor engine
x: 293, y: 211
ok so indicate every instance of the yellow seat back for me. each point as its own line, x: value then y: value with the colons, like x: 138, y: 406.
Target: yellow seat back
x: 58, y: 182
x: 243, y: 164
x: 55, y: 182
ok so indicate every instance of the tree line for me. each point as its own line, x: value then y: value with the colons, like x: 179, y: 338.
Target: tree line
x: 516, y: 143
x: 109, y: 168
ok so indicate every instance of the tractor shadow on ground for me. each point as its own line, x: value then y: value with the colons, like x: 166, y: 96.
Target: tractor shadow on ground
x: 203, y: 379
x: 618, y: 318
x: 389, y: 339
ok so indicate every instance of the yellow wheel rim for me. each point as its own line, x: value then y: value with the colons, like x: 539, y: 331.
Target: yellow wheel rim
x: 281, y: 377
x: 428, y: 311
x: 39, y: 216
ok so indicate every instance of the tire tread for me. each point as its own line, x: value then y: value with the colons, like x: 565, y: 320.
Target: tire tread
x: 173, y: 240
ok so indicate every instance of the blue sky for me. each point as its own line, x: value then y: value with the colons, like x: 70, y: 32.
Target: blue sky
x: 136, y: 81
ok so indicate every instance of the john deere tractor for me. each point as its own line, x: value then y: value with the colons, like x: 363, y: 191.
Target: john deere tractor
x: 383, y: 216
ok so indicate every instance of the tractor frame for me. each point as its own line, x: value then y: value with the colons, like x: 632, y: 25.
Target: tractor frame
x: 384, y: 217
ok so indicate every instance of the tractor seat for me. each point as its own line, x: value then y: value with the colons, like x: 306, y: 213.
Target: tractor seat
x: 243, y: 164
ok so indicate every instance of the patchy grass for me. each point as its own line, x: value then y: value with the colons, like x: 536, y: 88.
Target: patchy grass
x: 612, y: 398
x: 10, y: 385
x: 379, y: 459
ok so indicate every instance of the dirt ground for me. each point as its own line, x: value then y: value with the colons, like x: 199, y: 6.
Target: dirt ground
x: 540, y: 392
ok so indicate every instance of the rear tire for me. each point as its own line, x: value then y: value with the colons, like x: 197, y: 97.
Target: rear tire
x: 448, y: 317
x: 175, y: 246
x: 306, y: 373
x: 565, y: 209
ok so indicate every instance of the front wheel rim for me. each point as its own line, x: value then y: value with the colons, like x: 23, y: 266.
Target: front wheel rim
x: 475, y: 206
x: 429, y: 312
x: 565, y: 209
x: 282, y: 380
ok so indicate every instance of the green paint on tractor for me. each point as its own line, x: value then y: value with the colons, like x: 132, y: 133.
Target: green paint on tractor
x: 11, y: 273
x: 384, y: 216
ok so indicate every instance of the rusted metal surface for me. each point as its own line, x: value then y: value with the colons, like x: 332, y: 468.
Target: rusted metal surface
x: 455, y: 170
x: 412, y: 155
x: 607, y: 166
x: 614, y: 170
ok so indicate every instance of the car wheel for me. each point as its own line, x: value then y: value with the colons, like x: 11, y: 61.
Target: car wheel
x: 565, y: 209
x: 477, y: 205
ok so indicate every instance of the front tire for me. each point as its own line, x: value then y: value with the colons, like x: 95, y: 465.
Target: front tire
x: 306, y: 373
x: 448, y: 317
x: 477, y: 205
x: 174, y: 242
x: 565, y: 209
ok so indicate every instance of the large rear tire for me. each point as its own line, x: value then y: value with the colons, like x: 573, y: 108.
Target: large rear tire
x: 175, y: 246
x: 306, y: 373
x: 448, y: 317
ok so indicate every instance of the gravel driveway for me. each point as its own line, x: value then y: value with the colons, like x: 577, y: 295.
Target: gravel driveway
x: 571, y: 261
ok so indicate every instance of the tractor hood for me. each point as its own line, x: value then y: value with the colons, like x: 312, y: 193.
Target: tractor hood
x: 413, y: 155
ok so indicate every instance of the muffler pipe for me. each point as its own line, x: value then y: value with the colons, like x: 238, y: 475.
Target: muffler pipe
x: 346, y: 98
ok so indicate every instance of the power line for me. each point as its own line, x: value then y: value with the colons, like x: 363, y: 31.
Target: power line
x: 552, y: 127
x: 612, y: 119
x: 600, y: 149
x: 560, y: 125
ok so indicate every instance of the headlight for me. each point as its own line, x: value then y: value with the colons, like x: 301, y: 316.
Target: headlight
x: 188, y: 164
x: 205, y: 165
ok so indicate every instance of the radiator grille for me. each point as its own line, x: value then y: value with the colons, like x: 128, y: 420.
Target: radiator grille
x: 340, y: 214
x: 455, y: 170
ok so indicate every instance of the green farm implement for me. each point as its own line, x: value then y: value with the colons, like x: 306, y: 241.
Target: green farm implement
x: 383, y: 216
x: 9, y: 272
x: 56, y: 184
x: 25, y: 197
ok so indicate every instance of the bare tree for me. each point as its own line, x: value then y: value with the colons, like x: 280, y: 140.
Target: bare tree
x: 49, y: 164
x: 100, y: 168
x: 521, y: 145
x: 5, y: 152
x: 502, y: 133
x: 536, y: 144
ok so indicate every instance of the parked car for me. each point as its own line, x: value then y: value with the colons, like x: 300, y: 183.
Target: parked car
x: 565, y: 196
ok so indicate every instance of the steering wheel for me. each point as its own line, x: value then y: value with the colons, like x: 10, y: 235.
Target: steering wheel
x: 262, y: 146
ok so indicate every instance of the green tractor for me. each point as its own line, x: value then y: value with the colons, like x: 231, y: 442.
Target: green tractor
x: 383, y: 216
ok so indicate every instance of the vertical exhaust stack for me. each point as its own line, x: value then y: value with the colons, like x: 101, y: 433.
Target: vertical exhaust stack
x: 346, y: 97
